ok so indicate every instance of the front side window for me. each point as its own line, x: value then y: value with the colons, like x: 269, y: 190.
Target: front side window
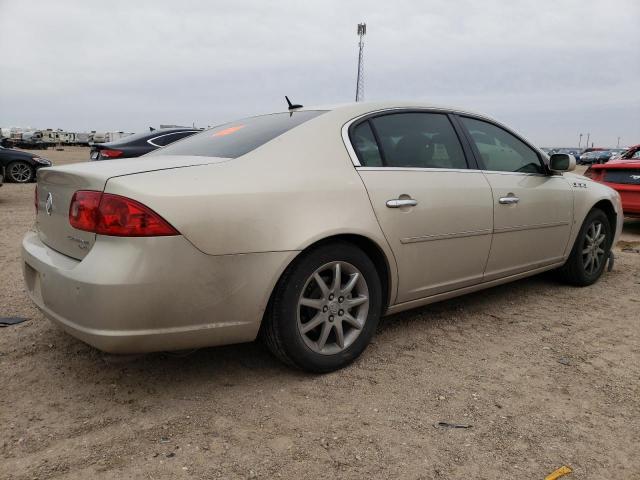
x: 235, y: 139
x: 501, y: 151
x: 417, y: 140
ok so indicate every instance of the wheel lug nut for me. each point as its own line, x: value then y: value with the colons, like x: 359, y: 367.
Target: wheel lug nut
x: 341, y: 312
x: 331, y: 297
x: 341, y: 299
x: 331, y: 318
x: 324, y: 309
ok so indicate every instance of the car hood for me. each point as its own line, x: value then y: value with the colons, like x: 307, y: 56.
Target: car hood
x: 17, y: 153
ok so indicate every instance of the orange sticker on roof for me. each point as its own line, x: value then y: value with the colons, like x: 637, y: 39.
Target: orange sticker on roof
x: 228, y: 131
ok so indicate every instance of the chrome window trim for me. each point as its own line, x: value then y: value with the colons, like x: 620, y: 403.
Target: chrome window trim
x: 417, y: 169
x: 347, y: 141
x: 150, y: 142
x: 356, y: 162
x: 527, y: 174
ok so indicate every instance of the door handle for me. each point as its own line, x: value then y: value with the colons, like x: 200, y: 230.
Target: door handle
x: 509, y: 199
x: 401, y: 202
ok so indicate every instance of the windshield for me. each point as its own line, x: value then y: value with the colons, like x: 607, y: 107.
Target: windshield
x: 235, y: 139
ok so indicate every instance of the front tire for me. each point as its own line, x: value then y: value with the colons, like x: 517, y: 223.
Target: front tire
x: 20, y: 172
x: 325, y: 308
x: 590, y: 251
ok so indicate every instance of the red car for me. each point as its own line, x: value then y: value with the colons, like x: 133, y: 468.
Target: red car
x: 623, y: 175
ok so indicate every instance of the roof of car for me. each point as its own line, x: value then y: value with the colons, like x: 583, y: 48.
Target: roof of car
x: 361, y: 108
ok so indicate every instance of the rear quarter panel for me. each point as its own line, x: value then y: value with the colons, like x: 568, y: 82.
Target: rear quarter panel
x: 289, y: 193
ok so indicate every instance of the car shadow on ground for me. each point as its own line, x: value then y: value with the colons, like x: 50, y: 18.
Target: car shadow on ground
x: 250, y: 363
x: 631, y: 229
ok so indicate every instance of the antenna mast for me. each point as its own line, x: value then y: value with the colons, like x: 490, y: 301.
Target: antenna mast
x: 362, y: 31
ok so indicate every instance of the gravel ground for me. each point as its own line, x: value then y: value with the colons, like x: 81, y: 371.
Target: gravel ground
x: 544, y: 375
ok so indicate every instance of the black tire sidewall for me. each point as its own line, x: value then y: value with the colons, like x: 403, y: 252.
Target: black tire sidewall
x: 18, y: 162
x: 584, y: 277
x: 289, y: 294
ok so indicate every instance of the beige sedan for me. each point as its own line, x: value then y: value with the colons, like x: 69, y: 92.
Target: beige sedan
x: 304, y: 227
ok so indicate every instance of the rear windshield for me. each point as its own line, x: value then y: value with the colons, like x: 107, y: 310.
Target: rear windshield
x: 234, y: 139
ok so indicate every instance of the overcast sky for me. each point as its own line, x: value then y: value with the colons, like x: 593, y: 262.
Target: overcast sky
x: 550, y: 69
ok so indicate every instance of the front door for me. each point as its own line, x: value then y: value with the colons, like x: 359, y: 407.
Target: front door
x: 533, y: 210
x: 435, y: 211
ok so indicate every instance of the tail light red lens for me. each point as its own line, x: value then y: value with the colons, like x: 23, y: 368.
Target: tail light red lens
x: 109, y: 153
x: 83, y: 211
x: 108, y: 214
x: 593, y: 174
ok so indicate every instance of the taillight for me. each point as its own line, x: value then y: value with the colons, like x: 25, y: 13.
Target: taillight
x: 109, y: 153
x: 108, y: 214
x: 83, y: 211
x: 593, y: 174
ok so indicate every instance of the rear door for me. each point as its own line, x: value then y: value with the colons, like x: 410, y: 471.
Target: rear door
x: 532, y: 210
x: 435, y: 211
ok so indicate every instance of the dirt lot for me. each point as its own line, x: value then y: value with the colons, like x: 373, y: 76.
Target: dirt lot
x: 547, y: 375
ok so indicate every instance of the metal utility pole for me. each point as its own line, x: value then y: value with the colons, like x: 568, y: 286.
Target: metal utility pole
x: 580, y: 141
x: 587, y: 144
x: 362, y: 31
x: 618, y: 146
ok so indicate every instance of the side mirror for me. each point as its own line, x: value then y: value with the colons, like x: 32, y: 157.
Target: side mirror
x: 562, y: 162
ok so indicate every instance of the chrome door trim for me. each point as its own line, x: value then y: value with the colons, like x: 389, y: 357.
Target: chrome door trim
x: 443, y: 236
x: 517, y: 228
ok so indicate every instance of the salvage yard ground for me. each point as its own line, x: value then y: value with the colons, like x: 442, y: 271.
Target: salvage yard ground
x: 544, y: 374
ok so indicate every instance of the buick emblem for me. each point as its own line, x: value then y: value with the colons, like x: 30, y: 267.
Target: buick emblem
x: 49, y: 203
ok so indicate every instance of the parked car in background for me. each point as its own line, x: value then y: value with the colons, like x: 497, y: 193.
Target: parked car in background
x: 623, y: 175
x: 592, y: 149
x: 20, y: 166
x: 139, y: 143
x: 616, y: 152
x: 587, y: 158
x: 603, y: 156
x: 630, y: 153
x: 304, y: 227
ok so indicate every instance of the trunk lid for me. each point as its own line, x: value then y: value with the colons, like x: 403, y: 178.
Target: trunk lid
x: 56, y: 186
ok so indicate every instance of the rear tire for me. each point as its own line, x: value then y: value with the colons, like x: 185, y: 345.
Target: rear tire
x: 20, y: 172
x: 316, y: 323
x: 590, y: 251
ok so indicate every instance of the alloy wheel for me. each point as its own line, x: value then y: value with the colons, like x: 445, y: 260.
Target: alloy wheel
x: 593, y: 247
x: 20, y: 172
x: 333, y: 308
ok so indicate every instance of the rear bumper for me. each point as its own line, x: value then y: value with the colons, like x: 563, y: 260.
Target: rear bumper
x: 151, y: 294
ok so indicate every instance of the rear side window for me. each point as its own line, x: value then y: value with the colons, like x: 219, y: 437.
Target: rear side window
x: 409, y: 140
x: 235, y: 139
x: 365, y: 146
